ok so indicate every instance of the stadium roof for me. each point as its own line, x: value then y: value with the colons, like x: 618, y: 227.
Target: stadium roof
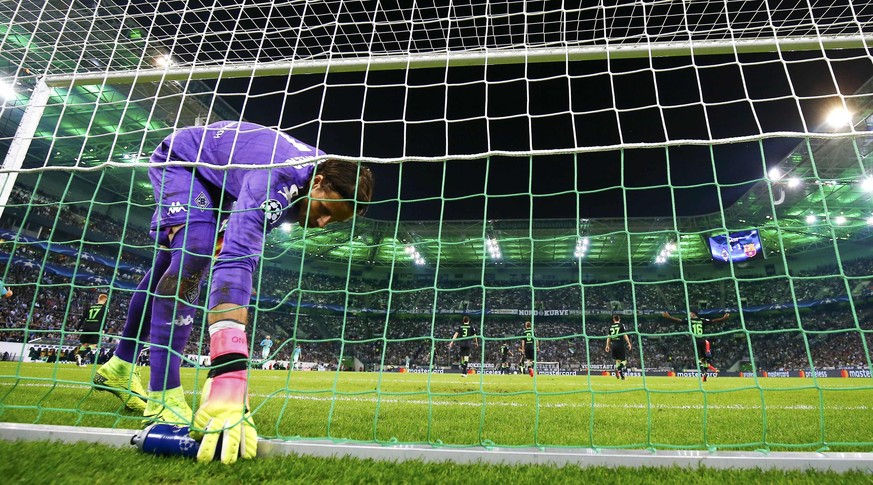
x: 92, y: 124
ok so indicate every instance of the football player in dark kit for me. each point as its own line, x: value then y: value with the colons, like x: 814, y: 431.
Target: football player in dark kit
x: 465, y: 331
x: 704, y: 348
x: 505, y: 353
x: 619, y: 350
x: 528, y: 346
x: 89, y: 328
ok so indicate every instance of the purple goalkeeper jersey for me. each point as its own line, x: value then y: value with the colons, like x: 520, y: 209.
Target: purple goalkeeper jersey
x: 241, y: 143
x: 261, y: 199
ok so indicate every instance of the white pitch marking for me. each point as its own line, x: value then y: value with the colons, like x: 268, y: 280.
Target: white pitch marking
x: 279, y: 394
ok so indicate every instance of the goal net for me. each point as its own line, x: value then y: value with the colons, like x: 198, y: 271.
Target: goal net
x: 700, y: 170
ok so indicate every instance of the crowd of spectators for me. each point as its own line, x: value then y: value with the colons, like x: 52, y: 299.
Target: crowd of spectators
x: 410, y: 320
x: 101, y: 227
x: 407, y: 296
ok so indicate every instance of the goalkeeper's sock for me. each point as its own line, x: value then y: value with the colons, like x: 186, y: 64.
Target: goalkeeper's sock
x: 139, y: 311
x: 137, y: 323
x: 168, y: 332
x: 173, y: 308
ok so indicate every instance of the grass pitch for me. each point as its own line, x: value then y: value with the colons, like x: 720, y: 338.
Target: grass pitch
x: 493, y: 410
x: 450, y: 410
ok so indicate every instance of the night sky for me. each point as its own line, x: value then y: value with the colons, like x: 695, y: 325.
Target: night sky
x: 444, y: 113
x: 487, y: 109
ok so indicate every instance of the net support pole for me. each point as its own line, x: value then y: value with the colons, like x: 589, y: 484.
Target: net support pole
x: 581, y: 457
x: 21, y: 143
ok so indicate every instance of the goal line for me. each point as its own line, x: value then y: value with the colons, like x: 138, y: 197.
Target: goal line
x: 581, y: 457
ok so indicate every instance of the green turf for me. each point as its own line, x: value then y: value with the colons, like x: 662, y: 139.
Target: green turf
x: 449, y: 410
x: 32, y: 462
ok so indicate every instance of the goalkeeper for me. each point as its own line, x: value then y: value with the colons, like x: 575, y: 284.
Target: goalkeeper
x: 189, y: 201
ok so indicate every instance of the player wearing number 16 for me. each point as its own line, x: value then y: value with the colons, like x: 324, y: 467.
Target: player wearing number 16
x: 190, y: 202
x: 698, y: 326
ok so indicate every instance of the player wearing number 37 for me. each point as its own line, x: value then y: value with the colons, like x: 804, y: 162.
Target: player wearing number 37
x: 192, y: 200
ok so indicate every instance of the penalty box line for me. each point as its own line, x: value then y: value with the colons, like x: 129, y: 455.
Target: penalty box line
x: 490, y: 401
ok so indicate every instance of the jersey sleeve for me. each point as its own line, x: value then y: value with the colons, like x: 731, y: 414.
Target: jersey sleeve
x: 243, y: 242
x: 267, y: 198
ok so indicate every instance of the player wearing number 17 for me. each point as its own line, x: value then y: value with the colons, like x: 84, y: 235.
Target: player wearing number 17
x: 698, y: 326
x: 89, y: 327
x: 190, y: 200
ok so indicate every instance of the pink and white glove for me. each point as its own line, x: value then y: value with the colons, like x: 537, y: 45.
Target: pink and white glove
x: 223, y: 419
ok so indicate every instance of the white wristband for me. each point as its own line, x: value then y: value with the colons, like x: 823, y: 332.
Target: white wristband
x: 223, y: 324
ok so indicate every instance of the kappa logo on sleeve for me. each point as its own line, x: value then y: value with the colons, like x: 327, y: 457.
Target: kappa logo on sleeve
x: 176, y: 207
x: 289, y: 192
x: 272, y: 210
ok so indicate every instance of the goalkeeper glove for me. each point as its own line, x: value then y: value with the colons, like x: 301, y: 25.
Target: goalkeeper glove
x: 222, y: 424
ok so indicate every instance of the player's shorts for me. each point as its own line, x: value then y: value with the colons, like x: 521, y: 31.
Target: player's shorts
x: 704, y: 349
x: 619, y: 351
x: 465, y: 351
x: 92, y: 338
x: 181, y: 195
x: 529, y: 352
x: 504, y: 358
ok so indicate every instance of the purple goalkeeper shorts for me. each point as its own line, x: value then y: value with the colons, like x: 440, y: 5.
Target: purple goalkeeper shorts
x: 181, y: 195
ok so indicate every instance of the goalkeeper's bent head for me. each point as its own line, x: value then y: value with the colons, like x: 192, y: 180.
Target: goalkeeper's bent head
x: 337, y: 191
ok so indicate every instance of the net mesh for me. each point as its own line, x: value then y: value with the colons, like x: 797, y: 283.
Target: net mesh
x: 559, y: 165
